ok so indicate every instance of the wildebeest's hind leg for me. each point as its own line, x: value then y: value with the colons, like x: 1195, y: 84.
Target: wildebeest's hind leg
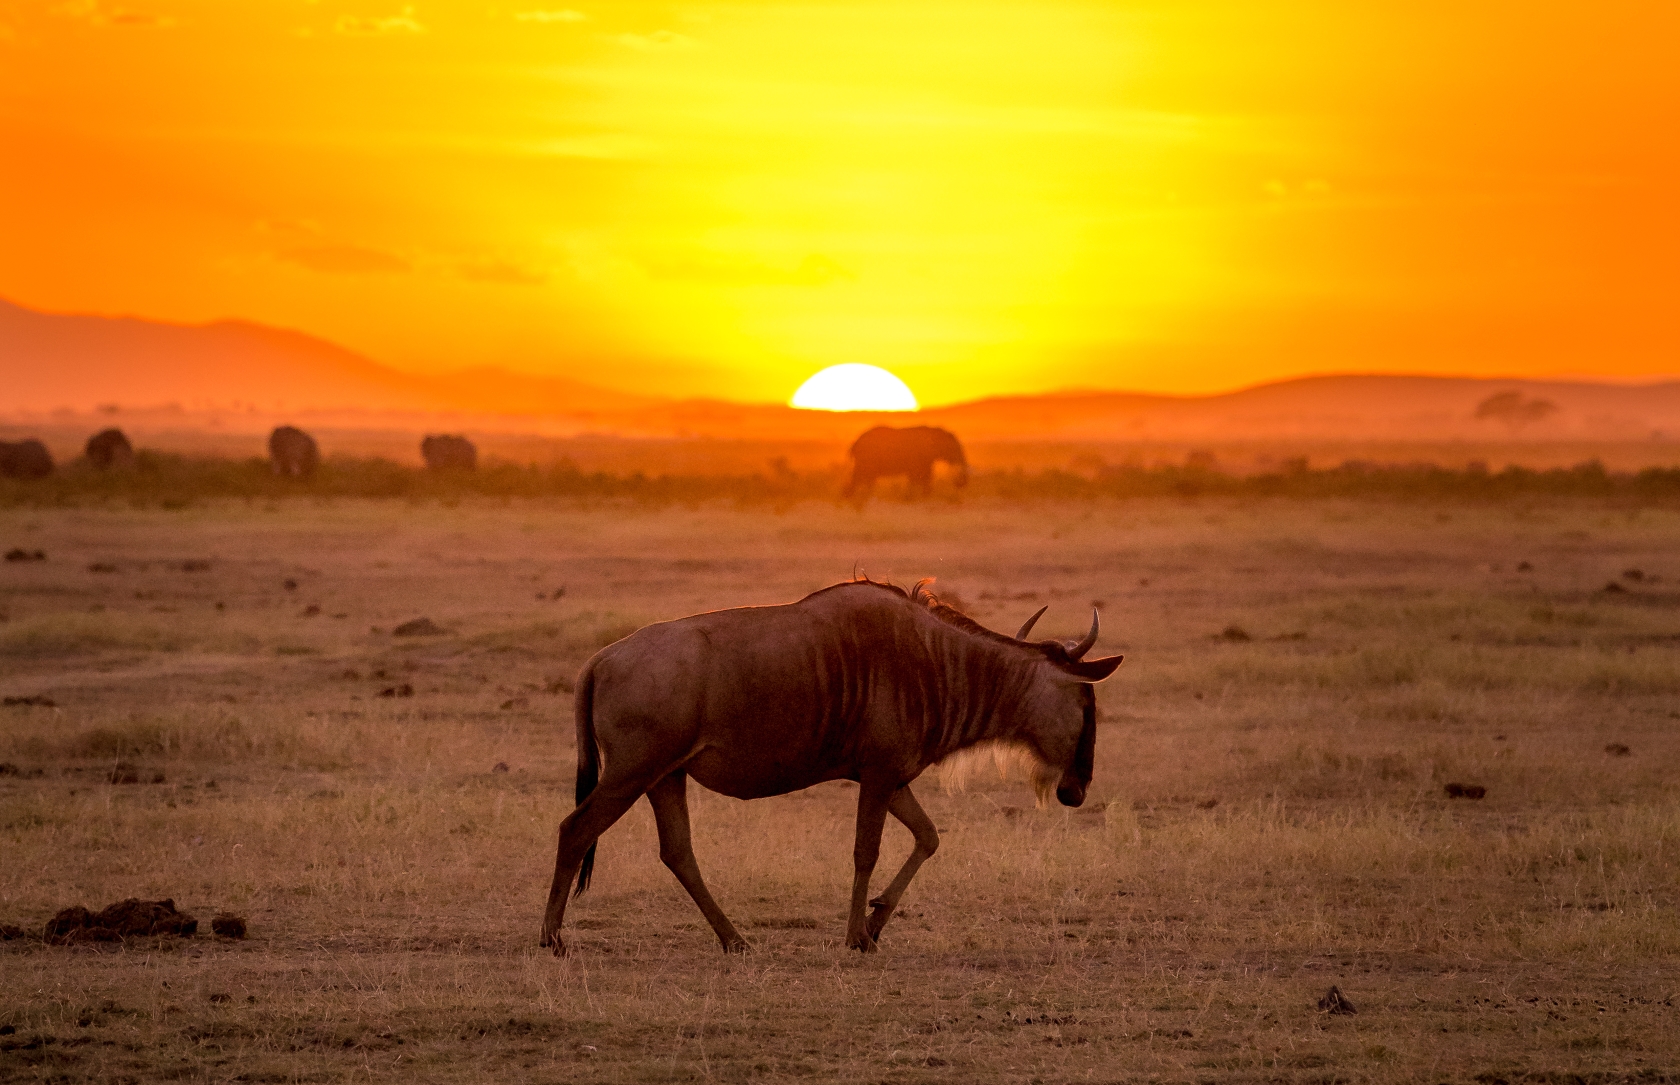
x: 669, y: 798
x: 905, y: 808
x: 582, y: 827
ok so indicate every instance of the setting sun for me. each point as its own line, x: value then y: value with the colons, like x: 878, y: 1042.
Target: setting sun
x: 854, y: 387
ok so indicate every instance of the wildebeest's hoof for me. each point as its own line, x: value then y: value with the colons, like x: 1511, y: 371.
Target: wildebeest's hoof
x: 862, y: 941
x: 738, y: 945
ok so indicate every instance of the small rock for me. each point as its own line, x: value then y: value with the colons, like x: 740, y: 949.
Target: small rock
x: 501, y: 766
x: 18, y: 554
x: 228, y: 925
x: 220, y: 997
x: 1635, y: 575
x: 404, y: 690
x: 289, y: 584
x: 1465, y: 791
x: 1614, y: 588
x: 1617, y: 749
x: 311, y: 610
x: 419, y: 627
x: 1234, y: 633
x: 1207, y: 804
x: 1335, y: 1002
x: 1524, y: 567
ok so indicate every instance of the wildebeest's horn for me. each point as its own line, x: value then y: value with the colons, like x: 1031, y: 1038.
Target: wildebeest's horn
x: 1078, y: 650
x: 1025, y: 629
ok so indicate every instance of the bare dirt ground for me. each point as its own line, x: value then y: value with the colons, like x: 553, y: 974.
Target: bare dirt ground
x: 1269, y: 815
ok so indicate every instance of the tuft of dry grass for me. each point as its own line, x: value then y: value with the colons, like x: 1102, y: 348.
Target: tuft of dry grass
x: 1268, y: 819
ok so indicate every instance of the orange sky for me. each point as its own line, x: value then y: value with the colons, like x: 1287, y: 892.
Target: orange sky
x: 699, y: 198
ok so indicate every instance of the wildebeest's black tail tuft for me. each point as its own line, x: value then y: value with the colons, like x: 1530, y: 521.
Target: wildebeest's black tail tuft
x: 589, y: 763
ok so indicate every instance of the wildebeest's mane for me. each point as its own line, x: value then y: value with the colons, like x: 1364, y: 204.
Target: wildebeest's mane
x: 922, y: 595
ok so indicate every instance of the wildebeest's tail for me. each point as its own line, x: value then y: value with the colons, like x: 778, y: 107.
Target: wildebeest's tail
x: 589, y: 762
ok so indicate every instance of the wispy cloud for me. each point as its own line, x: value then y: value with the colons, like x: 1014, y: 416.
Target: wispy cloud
x: 345, y: 260
x: 563, y: 15
x: 500, y: 272
x: 814, y: 269
x: 99, y: 15
x: 659, y: 40
x: 367, y: 26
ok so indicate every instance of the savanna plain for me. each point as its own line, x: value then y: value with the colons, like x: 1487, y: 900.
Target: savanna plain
x: 1269, y: 817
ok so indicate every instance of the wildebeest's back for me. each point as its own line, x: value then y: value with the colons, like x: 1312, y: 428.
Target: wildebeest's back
x: 774, y: 699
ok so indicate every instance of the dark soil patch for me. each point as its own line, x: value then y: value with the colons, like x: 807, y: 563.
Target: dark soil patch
x: 124, y: 773
x: 228, y: 925
x: 1466, y: 791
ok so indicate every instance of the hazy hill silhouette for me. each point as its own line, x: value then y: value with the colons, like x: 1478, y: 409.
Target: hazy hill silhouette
x: 72, y: 360
x: 61, y: 360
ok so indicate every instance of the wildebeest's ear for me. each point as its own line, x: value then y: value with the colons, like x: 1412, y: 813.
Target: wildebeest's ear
x: 1093, y: 670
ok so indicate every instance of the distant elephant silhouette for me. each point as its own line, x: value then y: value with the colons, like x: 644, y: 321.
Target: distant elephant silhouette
x: 110, y: 448
x: 27, y: 458
x: 293, y: 453
x: 886, y: 451
x: 449, y: 452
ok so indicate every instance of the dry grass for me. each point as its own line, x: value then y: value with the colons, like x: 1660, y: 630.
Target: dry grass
x: 1268, y: 816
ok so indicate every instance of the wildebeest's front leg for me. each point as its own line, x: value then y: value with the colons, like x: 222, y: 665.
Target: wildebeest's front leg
x: 905, y: 808
x: 873, y: 797
x: 669, y: 798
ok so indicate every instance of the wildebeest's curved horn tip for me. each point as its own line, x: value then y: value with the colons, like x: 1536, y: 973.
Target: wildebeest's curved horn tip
x: 1027, y: 628
x: 1078, y: 650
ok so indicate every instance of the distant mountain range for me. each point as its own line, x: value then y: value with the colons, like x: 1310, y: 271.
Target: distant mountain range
x: 71, y: 360
x: 51, y: 361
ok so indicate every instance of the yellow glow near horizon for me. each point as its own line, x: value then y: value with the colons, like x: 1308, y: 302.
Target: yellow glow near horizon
x: 853, y: 386
x: 988, y: 197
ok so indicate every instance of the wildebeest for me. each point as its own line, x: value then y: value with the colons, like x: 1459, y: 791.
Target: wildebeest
x: 292, y: 453
x: 449, y: 452
x: 912, y: 451
x: 859, y: 681
x: 110, y: 448
x: 27, y: 458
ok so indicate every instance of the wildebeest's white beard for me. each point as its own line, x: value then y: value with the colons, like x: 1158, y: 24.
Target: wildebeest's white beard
x: 1013, y: 761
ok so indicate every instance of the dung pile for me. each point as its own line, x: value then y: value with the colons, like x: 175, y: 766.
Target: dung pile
x: 129, y: 918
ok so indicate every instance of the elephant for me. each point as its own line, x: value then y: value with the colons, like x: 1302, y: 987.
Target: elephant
x: 449, y: 452
x: 912, y: 451
x: 293, y: 453
x: 110, y: 448
x: 27, y: 458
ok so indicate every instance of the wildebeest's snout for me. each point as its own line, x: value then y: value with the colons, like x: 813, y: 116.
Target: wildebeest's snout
x: 1071, y: 792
